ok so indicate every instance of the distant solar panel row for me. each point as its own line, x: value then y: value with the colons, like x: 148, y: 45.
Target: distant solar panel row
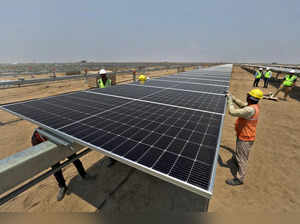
x: 167, y: 129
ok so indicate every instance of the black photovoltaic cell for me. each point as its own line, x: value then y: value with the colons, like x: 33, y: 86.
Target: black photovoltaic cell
x: 208, y: 73
x: 150, y: 131
x: 199, y: 101
x: 207, y: 102
x: 196, y: 86
x: 219, y: 78
x: 184, y: 86
x: 135, y: 92
x: 194, y: 80
x: 202, y: 88
x: 61, y: 110
x: 153, y: 82
x: 177, y: 142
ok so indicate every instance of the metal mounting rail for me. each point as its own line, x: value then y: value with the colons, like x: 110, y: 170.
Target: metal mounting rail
x: 21, y: 82
x: 23, y: 166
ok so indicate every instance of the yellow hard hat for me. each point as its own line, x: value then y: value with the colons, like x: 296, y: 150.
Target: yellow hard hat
x: 256, y: 93
x: 142, y: 78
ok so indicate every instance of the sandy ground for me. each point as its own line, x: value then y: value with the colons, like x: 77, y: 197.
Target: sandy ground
x: 272, y: 183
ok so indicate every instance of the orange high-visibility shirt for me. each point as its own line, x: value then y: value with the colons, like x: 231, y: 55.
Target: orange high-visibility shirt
x: 246, y: 128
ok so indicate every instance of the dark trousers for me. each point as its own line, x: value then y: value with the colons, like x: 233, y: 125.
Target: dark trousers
x: 266, y: 82
x: 255, y: 83
x: 59, y: 175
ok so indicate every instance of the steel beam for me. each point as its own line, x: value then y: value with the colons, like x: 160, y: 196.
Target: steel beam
x: 26, y: 164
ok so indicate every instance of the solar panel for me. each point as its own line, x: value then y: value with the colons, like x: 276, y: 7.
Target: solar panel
x: 65, y: 109
x: 196, y: 80
x: 169, y: 133
x: 208, y: 74
x: 185, y: 86
x: 203, y: 77
x: 199, y: 101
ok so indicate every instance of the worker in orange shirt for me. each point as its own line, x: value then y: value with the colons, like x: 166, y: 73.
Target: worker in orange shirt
x: 245, y: 128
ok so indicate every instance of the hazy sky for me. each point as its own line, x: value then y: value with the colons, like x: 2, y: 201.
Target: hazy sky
x: 153, y: 30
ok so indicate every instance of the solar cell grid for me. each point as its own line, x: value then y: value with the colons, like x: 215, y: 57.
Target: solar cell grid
x: 160, y: 135
x: 208, y: 73
x: 190, y: 87
x: 208, y: 89
x: 213, y: 103
x: 153, y: 82
x: 135, y: 92
x: 193, y: 80
x: 62, y: 110
x: 204, y: 77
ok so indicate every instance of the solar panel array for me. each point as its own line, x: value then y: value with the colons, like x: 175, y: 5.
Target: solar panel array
x: 168, y: 127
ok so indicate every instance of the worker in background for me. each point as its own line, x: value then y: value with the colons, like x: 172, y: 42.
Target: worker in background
x: 103, y: 81
x: 267, y: 77
x: 37, y: 139
x: 287, y: 85
x: 245, y: 128
x: 258, y: 76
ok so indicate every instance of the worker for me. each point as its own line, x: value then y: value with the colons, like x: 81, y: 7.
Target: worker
x: 245, y: 128
x: 37, y: 139
x: 258, y: 75
x: 142, y: 78
x: 267, y: 77
x: 287, y: 85
x: 103, y: 81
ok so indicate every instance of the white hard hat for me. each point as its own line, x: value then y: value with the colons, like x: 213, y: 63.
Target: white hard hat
x: 292, y: 71
x: 260, y: 68
x: 268, y: 68
x: 102, y: 71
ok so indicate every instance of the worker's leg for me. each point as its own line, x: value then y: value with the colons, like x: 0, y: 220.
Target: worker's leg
x: 61, y: 183
x: 77, y: 163
x: 254, y: 83
x: 278, y: 90
x: 257, y: 82
x: 59, y: 176
x: 267, y: 83
x: 287, y: 90
x: 242, y: 155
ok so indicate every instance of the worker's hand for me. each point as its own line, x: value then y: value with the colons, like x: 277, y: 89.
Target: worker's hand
x: 229, y: 98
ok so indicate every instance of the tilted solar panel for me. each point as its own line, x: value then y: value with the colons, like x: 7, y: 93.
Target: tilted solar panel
x: 195, y: 80
x: 172, y: 134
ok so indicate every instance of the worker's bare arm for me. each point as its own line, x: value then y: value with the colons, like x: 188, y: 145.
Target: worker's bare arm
x: 238, y: 102
x: 245, y: 112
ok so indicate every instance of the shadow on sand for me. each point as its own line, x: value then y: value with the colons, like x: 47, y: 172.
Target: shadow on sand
x: 123, y: 189
x: 231, y: 163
